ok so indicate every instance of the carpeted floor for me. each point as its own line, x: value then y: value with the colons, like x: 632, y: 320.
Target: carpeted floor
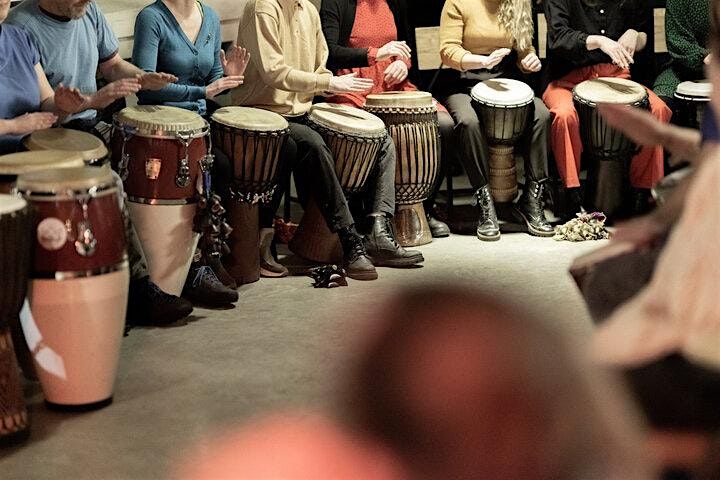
x: 283, y: 346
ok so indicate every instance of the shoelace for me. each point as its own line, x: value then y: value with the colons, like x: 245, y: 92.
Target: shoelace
x: 205, y: 272
x: 390, y: 232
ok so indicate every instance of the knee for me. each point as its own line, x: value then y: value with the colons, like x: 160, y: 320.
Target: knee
x: 565, y: 115
x: 542, y: 114
x: 446, y: 124
x: 468, y: 123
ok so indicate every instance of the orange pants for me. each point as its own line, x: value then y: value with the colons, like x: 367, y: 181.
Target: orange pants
x: 647, y: 167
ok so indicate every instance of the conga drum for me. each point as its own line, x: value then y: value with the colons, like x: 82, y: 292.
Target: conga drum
x: 92, y: 149
x: 693, y: 98
x: 608, y: 150
x: 15, y: 240
x: 505, y: 110
x: 16, y: 164
x: 411, y: 118
x: 79, y: 284
x: 354, y: 137
x: 159, y: 153
x: 252, y: 139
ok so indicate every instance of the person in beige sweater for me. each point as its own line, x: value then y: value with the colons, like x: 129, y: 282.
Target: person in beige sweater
x: 481, y: 40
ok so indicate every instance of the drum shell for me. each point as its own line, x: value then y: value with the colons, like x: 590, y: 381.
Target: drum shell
x: 170, y: 151
x: 503, y: 124
x: 254, y: 156
x: 691, y: 110
x: 108, y: 226
x: 15, y: 254
x: 417, y: 142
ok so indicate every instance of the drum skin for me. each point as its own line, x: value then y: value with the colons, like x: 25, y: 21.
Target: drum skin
x: 16, y: 164
x: 91, y: 148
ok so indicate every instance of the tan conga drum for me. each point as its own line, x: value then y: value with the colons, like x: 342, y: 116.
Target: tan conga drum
x: 79, y: 284
x: 16, y: 164
x: 354, y: 137
x: 15, y: 241
x: 411, y: 118
x: 92, y: 149
x: 159, y: 153
x: 504, y: 107
x: 252, y: 139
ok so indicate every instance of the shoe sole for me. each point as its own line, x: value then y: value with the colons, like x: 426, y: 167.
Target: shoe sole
x: 440, y: 235
x: 533, y: 231
x: 486, y: 238
x: 362, y: 275
x: 399, y: 263
x: 271, y: 274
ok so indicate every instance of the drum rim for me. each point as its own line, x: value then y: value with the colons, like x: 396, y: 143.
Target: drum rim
x: 59, y: 276
x: 323, y: 129
x: 589, y: 103
x: 102, y: 190
x: 249, y: 133
x: 99, y: 152
x: 424, y: 96
x: 519, y: 104
x: 159, y: 133
x: 593, y: 103
x: 285, y: 126
x: 72, y: 157
x: 13, y: 199
x: 163, y: 201
x: 380, y: 131
x: 692, y: 98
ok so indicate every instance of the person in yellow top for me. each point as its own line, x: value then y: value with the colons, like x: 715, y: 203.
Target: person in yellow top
x: 481, y: 40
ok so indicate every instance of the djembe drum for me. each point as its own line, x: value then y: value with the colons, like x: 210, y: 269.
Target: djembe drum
x: 252, y: 139
x: 504, y: 107
x: 411, y: 118
x: 694, y: 98
x: 15, y: 240
x: 92, y: 149
x: 79, y: 289
x: 608, y: 150
x: 159, y: 152
x: 16, y: 164
x: 354, y: 137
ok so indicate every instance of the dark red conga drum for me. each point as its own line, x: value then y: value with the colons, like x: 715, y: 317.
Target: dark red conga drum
x: 14, y: 266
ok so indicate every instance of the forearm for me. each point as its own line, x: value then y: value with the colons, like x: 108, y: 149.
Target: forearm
x: 7, y: 127
x: 472, y: 62
x: 172, y: 93
x: 683, y: 143
x: 119, y: 70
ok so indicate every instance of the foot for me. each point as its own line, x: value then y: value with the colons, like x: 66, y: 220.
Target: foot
x: 438, y: 229
x: 203, y: 287
x: 222, y: 274
x: 356, y: 262
x: 530, y: 208
x: 573, y: 204
x: 383, y: 249
x: 150, y: 306
x: 488, y: 228
x: 269, y: 267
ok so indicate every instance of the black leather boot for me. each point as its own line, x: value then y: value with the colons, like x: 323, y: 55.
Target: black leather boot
x: 488, y: 228
x: 383, y: 249
x: 438, y: 229
x: 531, y: 208
x: 356, y: 262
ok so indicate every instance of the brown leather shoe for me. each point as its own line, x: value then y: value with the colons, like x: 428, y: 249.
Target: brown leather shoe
x: 269, y: 267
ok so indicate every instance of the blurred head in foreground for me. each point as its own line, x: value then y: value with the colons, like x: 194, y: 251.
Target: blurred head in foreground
x: 463, y: 386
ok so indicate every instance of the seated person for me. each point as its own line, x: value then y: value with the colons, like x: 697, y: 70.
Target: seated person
x: 372, y: 38
x: 687, y: 31
x: 483, y: 40
x: 286, y: 70
x: 589, y: 39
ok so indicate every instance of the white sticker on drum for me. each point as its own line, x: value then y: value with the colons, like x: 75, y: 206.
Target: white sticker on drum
x: 152, y: 168
x: 51, y: 234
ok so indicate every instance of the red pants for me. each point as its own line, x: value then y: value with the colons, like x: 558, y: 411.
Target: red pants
x: 646, y: 167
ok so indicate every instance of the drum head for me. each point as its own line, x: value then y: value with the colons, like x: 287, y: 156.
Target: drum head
x: 700, y: 90
x: 64, y: 179
x: 253, y: 119
x: 91, y: 147
x: 610, y: 90
x: 346, y: 119
x: 11, y: 203
x: 156, y: 119
x: 400, y: 100
x: 502, y: 92
x: 26, y: 162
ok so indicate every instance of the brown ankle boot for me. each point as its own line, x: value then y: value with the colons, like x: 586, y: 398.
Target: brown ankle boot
x: 269, y: 267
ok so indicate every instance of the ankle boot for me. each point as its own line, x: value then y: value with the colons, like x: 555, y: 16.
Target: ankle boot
x: 383, y: 249
x: 488, y: 228
x: 356, y: 263
x: 213, y: 261
x: 530, y: 208
x: 269, y: 267
x: 438, y: 228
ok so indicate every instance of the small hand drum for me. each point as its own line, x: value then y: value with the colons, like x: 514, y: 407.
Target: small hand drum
x: 16, y: 164
x: 92, y: 149
x: 504, y: 107
x: 693, y: 97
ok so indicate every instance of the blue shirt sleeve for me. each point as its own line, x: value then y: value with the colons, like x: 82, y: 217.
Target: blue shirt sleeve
x: 108, y: 44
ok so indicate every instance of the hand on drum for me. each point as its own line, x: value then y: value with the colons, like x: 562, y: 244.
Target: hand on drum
x: 617, y: 53
x: 31, y: 122
x: 531, y: 63
x: 235, y: 61
x: 350, y: 84
x: 114, y: 90
x: 395, y: 73
x: 393, y: 49
x: 70, y: 100
x: 222, y: 84
x: 155, y: 81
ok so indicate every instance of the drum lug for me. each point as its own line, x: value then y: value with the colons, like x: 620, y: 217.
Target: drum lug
x: 182, y: 179
x: 85, y: 243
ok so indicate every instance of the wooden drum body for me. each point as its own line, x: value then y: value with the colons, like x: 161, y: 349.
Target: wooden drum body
x: 15, y: 238
x: 252, y: 139
x: 354, y: 138
x: 411, y: 118
x: 608, y: 150
x: 159, y: 153
x: 16, y: 164
x: 694, y: 98
x: 79, y: 288
x: 91, y: 148
x: 505, y: 110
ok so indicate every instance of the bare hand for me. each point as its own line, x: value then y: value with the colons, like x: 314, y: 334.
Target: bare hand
x: 628, y: 41
x: 235, y: 61
x: 707, y: 59
x: 32, y: 122
x: 395, y: 73
x: 112, y: 91
x: 393, y: 49
x: 222, y: 84
x: 617, y: 53
x: 350, y: 83
x: 531, y: 63
x: 70, y: 100
x: 155, y: 81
